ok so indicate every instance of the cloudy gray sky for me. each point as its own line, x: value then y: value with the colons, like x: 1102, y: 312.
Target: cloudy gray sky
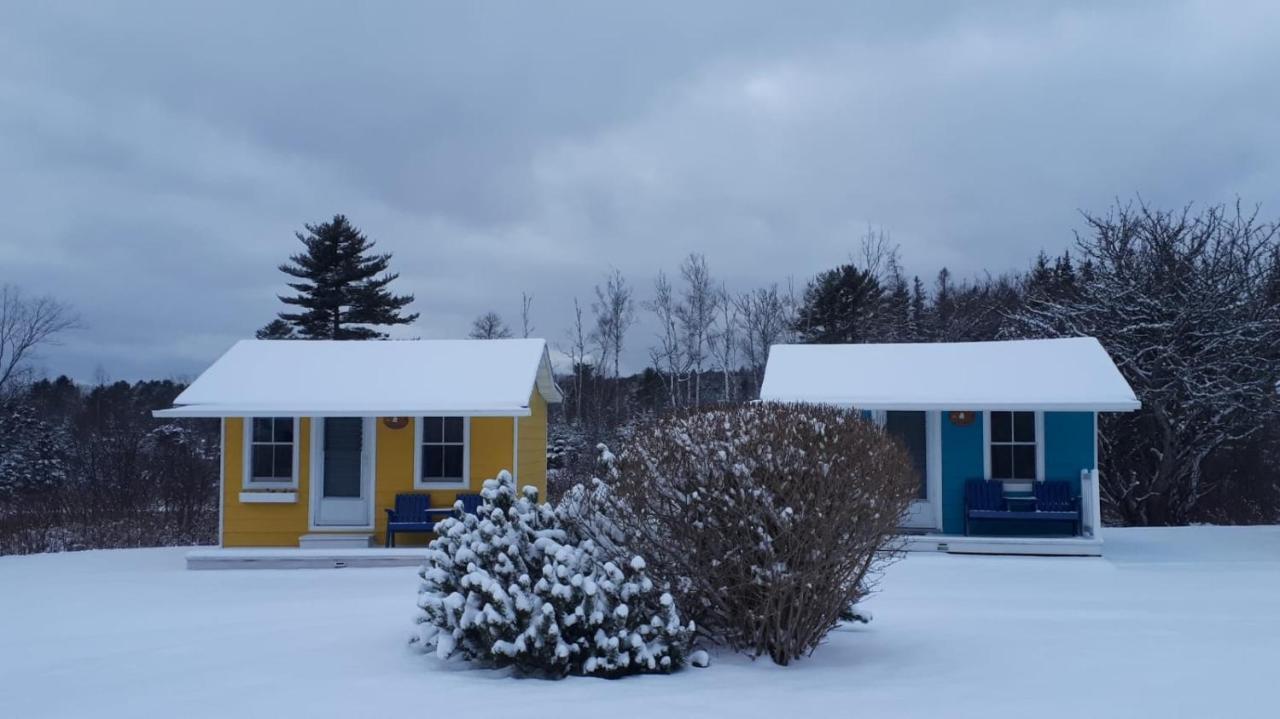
x: 155, y: 158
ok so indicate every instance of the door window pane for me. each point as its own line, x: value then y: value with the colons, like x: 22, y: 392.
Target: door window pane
x: 909, y: 428
x: 343, y: 445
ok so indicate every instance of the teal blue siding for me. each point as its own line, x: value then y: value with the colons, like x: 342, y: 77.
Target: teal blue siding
x: 1068, y: 448
x: 1068, y: 445
x: 961, y: 459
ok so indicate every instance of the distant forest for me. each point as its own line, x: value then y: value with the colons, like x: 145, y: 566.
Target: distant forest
x: 1186, y: 301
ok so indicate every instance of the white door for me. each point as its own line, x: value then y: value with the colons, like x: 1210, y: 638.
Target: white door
x: 918, y: 431
x: 342, y: 472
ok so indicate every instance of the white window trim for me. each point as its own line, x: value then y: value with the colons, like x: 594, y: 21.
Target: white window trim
x: 986, y: 451
x: 418, y: 481
x: 247, y: 480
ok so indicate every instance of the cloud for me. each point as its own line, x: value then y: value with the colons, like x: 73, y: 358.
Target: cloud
x: 159, y: 158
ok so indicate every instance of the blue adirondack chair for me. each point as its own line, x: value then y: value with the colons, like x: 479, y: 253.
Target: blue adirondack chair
x: 470, y: 503
x: 412, y: 514
x: 983, y: 499
x: 1055, y: 502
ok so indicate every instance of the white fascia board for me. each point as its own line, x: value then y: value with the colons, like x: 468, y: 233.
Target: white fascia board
x: 983, y: 406
x: 209, y: 410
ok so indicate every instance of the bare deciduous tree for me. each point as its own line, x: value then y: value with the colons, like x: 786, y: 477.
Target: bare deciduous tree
x: 614, y: 314
x: 765, y: 315
x: 26, y: 323
x: 489, y: 326
x: 578, y: 357
x: 724, y: 342
x: 1187, y: 306
x: 668, y: 357
x: 697, y: 315
x: 526, y: 321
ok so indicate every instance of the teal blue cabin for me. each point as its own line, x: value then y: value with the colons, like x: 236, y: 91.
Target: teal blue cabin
x: 1003, y: 435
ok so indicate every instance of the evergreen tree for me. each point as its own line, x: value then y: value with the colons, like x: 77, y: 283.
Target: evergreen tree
x: 277, y: 329
x: 838, y: 306
x: 341, y: 288
x: 919, y: 309
x: 516, y: 585
x: 944, y: 306
x: 895, y: 321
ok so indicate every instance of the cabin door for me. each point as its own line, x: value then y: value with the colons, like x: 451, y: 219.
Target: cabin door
x: 919, y: 432
x: 342, y: 472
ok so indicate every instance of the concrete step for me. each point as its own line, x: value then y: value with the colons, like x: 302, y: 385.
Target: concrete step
x: 332, y: 540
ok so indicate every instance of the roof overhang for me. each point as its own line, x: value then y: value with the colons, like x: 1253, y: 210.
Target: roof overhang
x: 976, y: 406
x: 1072, y: 374
x: 227, y: 410
x: 326, y: 378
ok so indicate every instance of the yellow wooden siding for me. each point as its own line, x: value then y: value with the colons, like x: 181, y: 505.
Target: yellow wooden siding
x: 261, y: 525
x: 491, y: 445
x: 533, y: 447
x: 492, y: 448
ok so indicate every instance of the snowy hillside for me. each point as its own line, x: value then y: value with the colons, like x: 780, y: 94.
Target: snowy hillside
x: 1173, y: 622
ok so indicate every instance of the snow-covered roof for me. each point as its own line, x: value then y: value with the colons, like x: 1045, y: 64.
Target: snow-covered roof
x: 371, y: 378
x: 1052, y: 374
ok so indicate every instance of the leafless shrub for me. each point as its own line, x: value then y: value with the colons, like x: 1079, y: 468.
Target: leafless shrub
x: 768, y: 521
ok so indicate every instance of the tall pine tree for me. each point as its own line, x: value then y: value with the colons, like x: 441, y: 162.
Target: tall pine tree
x: 341, y: 287
x: 838, y: 307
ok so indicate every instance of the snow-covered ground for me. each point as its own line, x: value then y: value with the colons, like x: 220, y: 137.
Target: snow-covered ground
x: 1173, y: 622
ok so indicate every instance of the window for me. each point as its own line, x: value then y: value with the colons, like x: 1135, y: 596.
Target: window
x: 442, y: 451
x: 1014, y: 450
x: 271, y: 452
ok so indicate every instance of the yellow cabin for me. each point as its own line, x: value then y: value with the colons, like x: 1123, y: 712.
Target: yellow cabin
x: 319, y: 437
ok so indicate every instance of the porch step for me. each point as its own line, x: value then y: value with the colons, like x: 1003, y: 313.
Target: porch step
x: 336, y: 541
x: 1034, y: 546
x: 298, y: 558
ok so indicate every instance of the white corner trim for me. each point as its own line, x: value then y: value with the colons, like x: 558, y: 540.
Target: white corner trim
x: 418, y: 482
x: 222, y: 476
x: 515, y: 451
x: 268, y: 497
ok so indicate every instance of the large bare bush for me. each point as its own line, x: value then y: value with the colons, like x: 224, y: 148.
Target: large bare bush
x: 768, y: 521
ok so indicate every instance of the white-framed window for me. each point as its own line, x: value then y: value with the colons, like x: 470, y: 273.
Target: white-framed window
x: 1014, y: 446
x: 271, y: 452
x: 443, y: 455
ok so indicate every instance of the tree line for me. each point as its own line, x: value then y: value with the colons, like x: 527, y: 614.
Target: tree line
x: 1186, y: 301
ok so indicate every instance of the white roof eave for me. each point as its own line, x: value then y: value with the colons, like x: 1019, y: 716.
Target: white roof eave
x: 211, y: 410
x: 977, y: 406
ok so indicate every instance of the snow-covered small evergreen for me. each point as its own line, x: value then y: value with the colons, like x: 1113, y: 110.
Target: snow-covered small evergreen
x: 32, y: 451
x: 513, y: 585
